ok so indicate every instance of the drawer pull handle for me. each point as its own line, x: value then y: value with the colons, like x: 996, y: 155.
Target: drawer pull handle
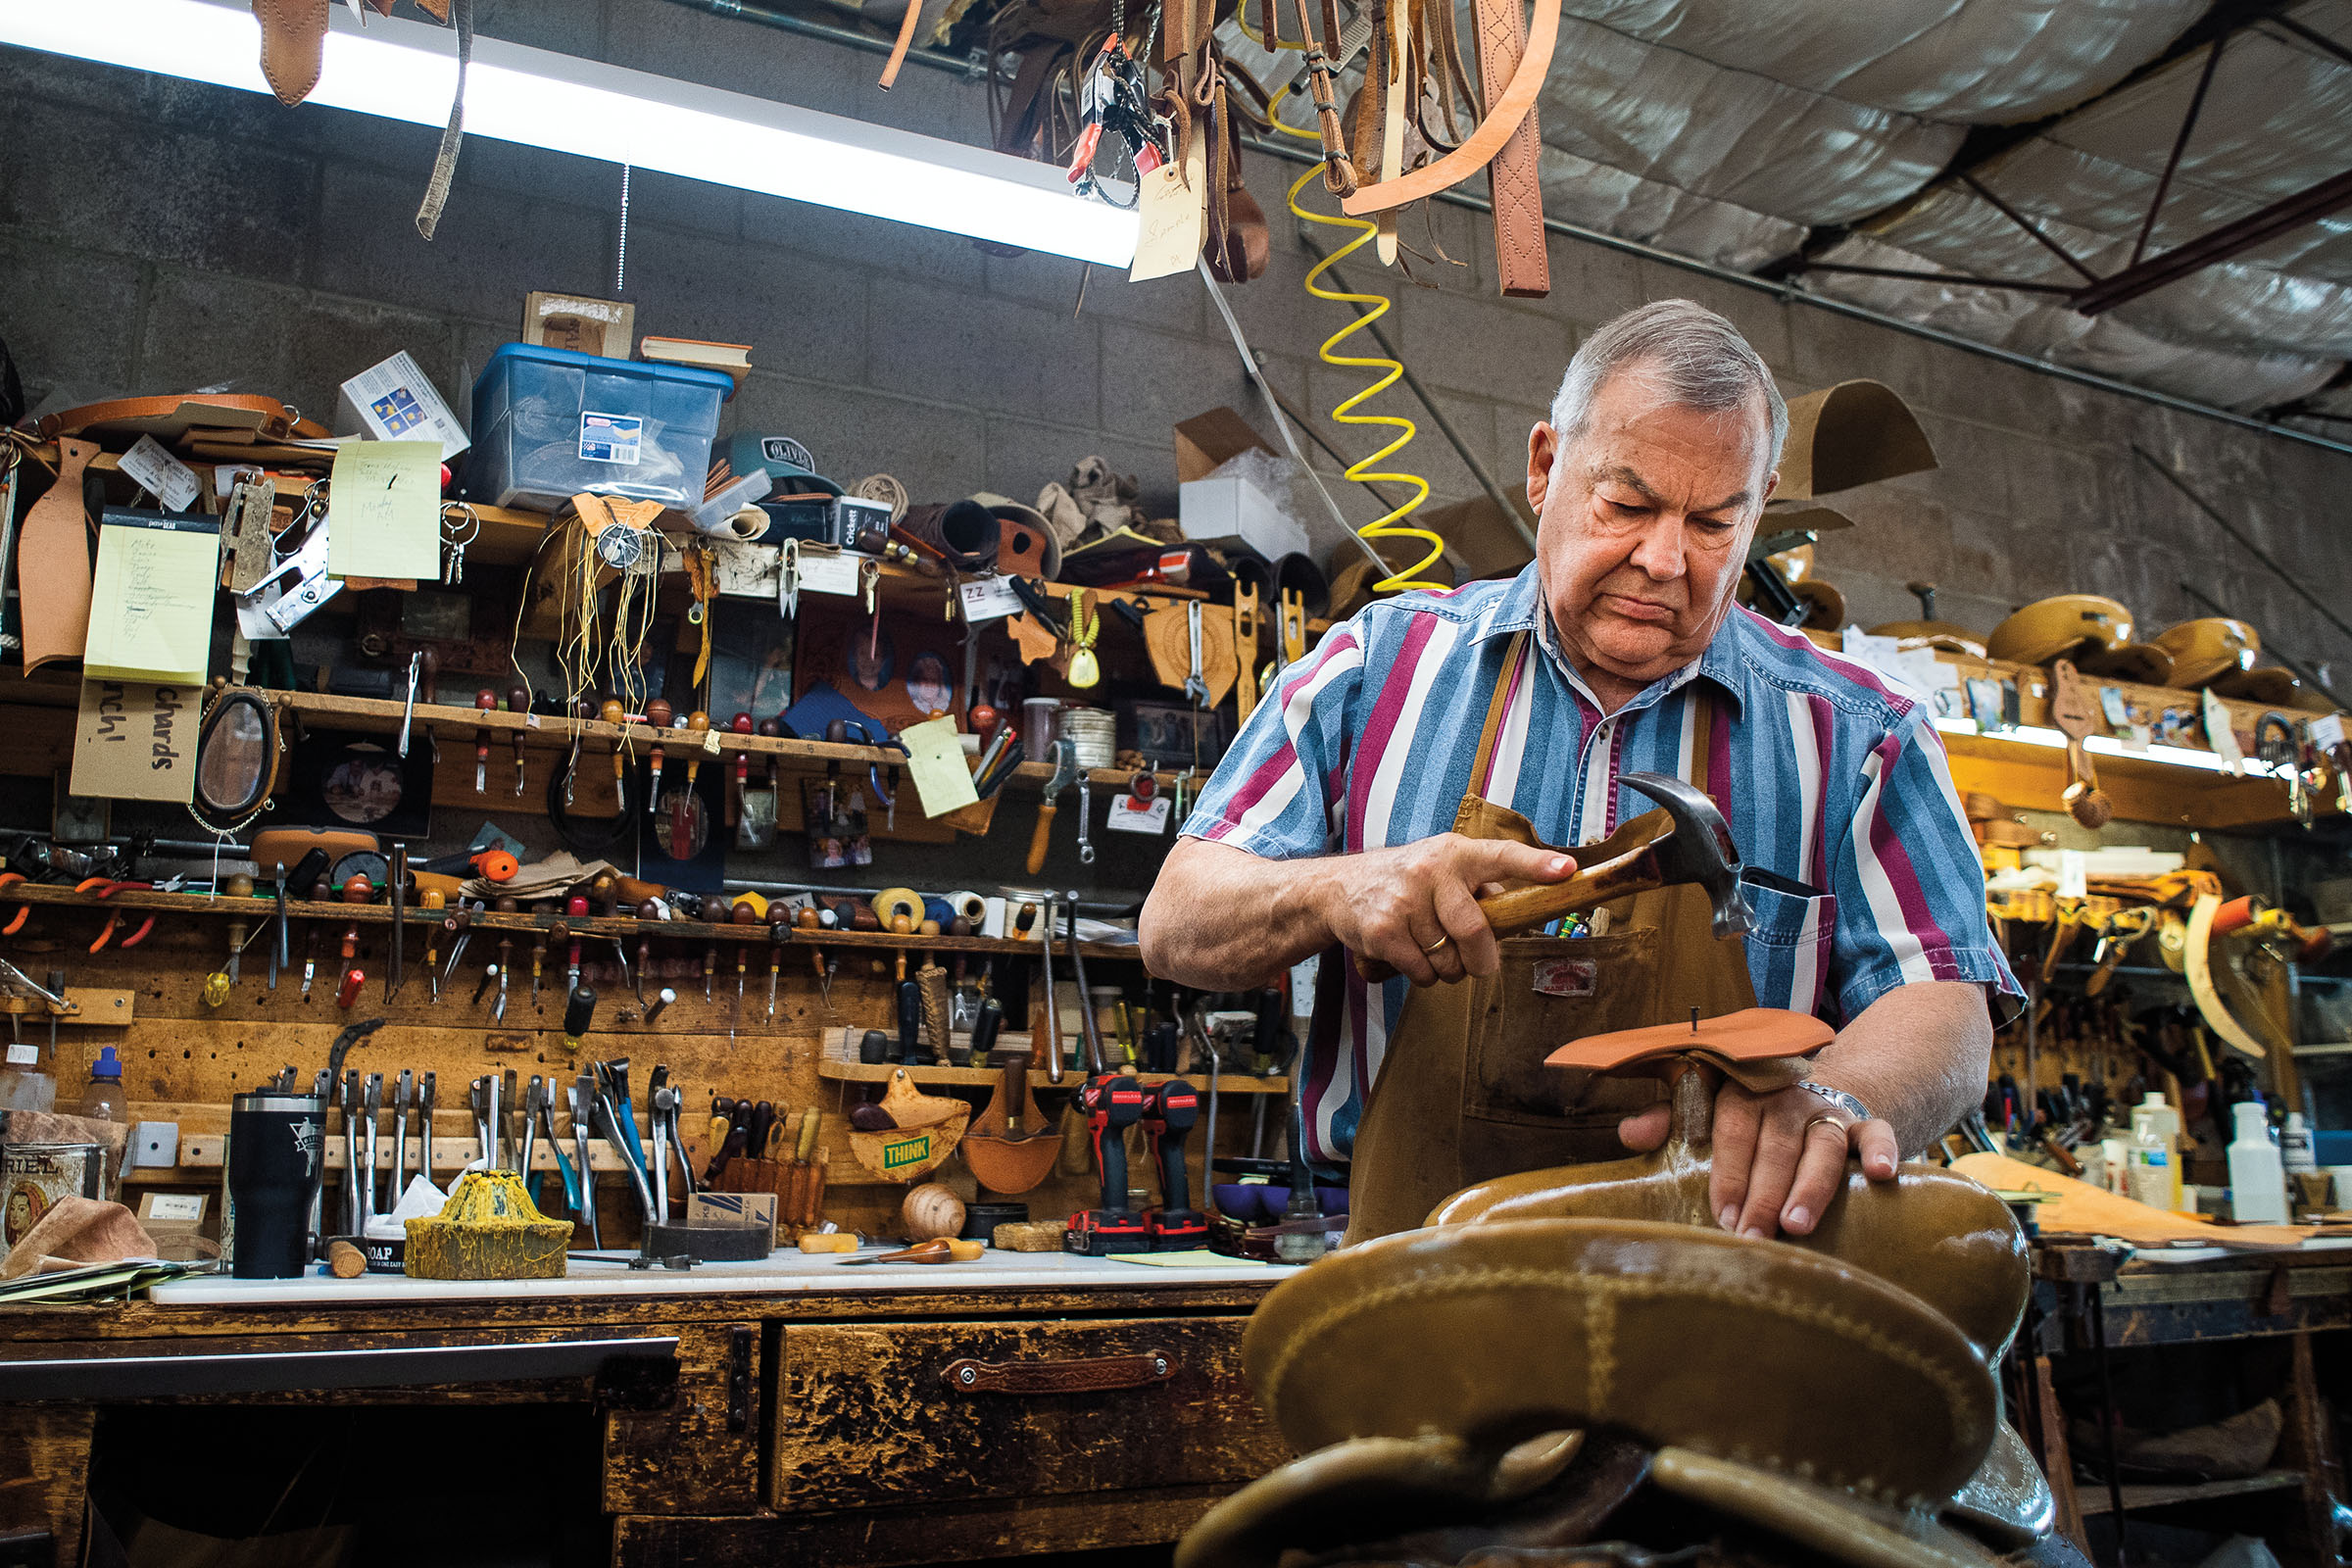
x: 1091, y: 1376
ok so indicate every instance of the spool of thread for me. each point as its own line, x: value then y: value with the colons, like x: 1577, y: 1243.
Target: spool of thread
x: 1094, y: 731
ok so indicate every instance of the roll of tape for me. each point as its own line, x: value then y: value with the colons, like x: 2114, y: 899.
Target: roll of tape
x: 972, y: 905
x: 893, y: 901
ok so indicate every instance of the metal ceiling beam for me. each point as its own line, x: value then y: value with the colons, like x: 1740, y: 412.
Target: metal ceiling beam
x: 2231, y: 239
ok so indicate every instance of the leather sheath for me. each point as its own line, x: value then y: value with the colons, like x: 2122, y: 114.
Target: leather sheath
x: 1522, y: 261
x: 293, y: 45
x: 53, y: 563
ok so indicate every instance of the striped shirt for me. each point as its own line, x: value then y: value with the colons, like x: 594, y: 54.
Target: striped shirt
x: 1828, y: 776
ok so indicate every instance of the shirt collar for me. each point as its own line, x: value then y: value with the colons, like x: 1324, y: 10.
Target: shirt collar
x: 1520, y: 607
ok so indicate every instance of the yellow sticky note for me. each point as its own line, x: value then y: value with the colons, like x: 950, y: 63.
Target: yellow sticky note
x: 151, y: 597
x: 1172, y: 214
x: 935, y: 761
x: 383, y: 515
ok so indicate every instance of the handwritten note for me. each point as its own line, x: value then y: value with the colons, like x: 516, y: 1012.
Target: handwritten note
x: 151, y: 597
x: 137, y: 741
x: 1172, y: 214
x: 383, y: 515
x: 935, y: 761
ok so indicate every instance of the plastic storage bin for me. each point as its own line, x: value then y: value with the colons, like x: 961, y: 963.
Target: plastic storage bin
x: 549, y: 423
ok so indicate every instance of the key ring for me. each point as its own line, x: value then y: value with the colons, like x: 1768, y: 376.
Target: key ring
x: 472, y: 524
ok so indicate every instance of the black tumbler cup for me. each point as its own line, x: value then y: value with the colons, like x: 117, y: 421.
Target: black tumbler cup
x: 275, y: 1142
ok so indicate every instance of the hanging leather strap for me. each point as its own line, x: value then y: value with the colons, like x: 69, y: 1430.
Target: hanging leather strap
x: 1339, y: 170
x: 1515, y: 189
x: 293, y: 45
x: 1501, y: 121
x: 445, y: 160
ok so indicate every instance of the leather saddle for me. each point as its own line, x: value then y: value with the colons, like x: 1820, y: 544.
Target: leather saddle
x: 1585, y: 1335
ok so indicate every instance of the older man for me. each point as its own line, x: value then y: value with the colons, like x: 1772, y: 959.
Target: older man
x: 1435, y: 744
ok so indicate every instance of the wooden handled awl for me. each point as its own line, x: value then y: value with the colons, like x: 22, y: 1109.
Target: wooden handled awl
x: 1065, y: 773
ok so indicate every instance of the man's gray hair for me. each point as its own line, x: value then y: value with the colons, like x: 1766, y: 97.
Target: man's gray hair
x: 1700, y: 359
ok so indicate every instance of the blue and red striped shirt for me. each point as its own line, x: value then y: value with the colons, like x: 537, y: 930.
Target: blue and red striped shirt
x: 1827, y: 775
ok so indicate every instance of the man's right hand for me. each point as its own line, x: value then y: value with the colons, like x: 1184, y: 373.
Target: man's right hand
x: 1415, y: 907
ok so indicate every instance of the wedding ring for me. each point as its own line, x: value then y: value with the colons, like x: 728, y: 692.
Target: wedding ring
x: 1435, y: 946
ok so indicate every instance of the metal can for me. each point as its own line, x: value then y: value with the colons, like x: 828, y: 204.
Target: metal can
x: 34, y: 1176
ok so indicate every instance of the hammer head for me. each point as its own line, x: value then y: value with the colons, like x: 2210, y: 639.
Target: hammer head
x: 1699, y: 849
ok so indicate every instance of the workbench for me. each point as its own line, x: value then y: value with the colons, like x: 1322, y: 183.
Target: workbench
x: 790, y: 1411
x: 2118, y: 1313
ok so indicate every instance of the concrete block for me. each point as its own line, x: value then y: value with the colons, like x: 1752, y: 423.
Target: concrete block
x: 1430, y: 455
x: 985, y: 354
x: 70, y: 318
x: 1152, y: 379
x: 31, y: 74
x: 936, y: 451
x: 331, y: 340
x: 1178, y: 303
x: 1473, y: 345
x: 801, y: 316
x: 210, y: 329
x: 2146, y: 575
x: 1898, y: 535
x: 563, y: 25
x: 1757, y: 313
x: 107, y: 182
x: 1592, y: 282
x: 865, y: 244
x: 1024, y: 457
x: 1827, y: 346
x: 492, y: 247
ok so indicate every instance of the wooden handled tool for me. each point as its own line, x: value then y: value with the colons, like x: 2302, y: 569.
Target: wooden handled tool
x: 1065, y: 773
x: 2071, y: 709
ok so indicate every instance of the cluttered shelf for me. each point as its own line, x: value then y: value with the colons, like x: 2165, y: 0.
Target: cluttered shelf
x: 865, y: 1072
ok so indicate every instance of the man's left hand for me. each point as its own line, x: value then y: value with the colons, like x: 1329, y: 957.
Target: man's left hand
x: 1778, y: 1158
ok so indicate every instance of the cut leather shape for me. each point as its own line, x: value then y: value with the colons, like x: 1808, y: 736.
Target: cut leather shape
x: 1843, y: 1528
x: 1515, y: 189
x: 53, y: 563
x: 453, y: 135
x: 169, y: 418
x: 1753, y: 1033
x: 1549, y: 1324
x: 1479, y: 148
x: 903, y: 42
x: 293, y: 45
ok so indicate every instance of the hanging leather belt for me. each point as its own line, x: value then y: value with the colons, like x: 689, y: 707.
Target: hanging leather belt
x: 1522, y: 260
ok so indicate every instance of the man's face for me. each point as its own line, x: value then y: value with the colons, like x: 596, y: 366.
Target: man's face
x: 1641, y: 540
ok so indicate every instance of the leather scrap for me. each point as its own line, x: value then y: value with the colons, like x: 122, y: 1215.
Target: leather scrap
x: 293, y: 45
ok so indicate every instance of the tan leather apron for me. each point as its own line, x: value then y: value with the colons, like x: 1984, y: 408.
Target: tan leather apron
x: 1463, y: 1095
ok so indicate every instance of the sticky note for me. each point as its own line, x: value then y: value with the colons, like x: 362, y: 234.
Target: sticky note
x: 383, y: 517
x: 151, y: 597
x: 935, y: 761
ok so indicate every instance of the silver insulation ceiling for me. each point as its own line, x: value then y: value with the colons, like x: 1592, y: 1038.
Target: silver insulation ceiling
x: 1833, y: 131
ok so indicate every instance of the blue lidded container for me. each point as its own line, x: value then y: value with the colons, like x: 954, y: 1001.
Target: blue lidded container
x: 549, y: 423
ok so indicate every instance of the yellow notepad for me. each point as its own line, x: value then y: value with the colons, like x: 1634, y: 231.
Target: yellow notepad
x: 383, y: 510
x: 151, y: 597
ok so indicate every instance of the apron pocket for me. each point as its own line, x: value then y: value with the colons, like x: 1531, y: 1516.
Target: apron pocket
x: 1548, y: 993
x: 1793, y: 940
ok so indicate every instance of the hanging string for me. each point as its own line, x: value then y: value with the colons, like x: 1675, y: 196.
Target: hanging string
x: 620, y: 259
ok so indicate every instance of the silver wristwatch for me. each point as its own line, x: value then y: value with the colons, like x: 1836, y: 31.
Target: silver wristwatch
x: 1839, y: 1098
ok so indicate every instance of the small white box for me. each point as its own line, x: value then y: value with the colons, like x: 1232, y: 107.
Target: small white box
x: 394, y: 402
x: 1228, y: 510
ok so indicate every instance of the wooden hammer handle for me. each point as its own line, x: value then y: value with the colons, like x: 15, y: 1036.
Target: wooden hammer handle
x: 1042, y: 837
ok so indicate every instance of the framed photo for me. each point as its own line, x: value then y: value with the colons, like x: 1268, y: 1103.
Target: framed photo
x: 80, y: 819
x: 339, y: 778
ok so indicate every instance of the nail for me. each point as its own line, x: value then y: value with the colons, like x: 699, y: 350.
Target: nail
x: 1797, y: 1219
x: 1729, y: 1217
x: 1755, y: 1233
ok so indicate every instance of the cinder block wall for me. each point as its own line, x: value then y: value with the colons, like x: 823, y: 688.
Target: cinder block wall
x: 157, y: 235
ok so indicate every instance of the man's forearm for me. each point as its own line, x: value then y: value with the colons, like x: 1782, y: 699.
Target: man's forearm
x: 1916, y: 1056
x: 1223, y: 919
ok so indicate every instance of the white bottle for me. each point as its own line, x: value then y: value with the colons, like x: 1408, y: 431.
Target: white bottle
x: 24, y: 1082
x: 2117, y: 1147
x: 2168, y: 1127
x: 2150, y: 1165
x: 2294, y: 1144
x: 2256, y: 1175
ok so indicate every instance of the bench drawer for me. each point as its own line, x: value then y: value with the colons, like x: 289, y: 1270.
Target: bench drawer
x: 901, y: 1414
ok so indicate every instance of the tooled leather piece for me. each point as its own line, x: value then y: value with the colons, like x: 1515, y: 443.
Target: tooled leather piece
x: 53, y: 563
x: 1095, y: 1375
x: 1479, y: 148
x: 293, y: 45
x: 1522, y: 261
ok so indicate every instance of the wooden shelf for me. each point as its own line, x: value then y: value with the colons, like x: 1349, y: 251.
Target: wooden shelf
x: 861, y: 1072
x: 2092, y: 1498
x: 261, y: 907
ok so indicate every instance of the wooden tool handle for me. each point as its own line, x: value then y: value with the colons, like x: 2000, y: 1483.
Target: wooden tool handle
x: 1095, y: 1375
x: 1042, y: 837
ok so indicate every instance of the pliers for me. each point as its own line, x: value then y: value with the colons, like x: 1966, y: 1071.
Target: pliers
x: 543, y: 1105
x: 23, y: 911
x: 106, y: 888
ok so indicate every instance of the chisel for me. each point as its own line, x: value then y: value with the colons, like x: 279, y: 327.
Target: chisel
x: 400, y: 1134
x: 372, y: 1103
x: 424, y: 1128
x: 396, y: 971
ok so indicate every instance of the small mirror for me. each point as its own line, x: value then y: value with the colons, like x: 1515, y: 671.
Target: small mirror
x: 236, y: 754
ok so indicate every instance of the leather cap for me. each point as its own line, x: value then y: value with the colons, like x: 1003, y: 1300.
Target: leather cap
x: 1027, y: 545
x: 2060, y: 627
x: 964, y: 533
x: 1550, y: 1324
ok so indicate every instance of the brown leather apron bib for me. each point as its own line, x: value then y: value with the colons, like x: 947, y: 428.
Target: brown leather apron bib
x: 1463, y: 1095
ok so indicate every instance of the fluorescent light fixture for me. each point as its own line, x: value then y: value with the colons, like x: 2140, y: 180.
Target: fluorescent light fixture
x: 2108, y: 746
x: 403, y: 70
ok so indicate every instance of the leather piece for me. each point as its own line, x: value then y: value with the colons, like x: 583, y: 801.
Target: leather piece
x: 1856, y: 1532
x: 1482, y: 144
x: 293, y: 45
x: 963, y: 533
x: 1095, y: 1375
x: 453, y: 135
x: 53, y: 563
x: 1522, y: 259
x: 169, y: 418
x: 1538, y: 1324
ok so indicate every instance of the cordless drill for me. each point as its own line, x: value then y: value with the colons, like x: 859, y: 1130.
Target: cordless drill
x: 1170, y: 1108
x: 1112, y: 1103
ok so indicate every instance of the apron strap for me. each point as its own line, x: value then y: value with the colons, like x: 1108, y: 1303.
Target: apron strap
x: 1702, y: 737
x: 1514, y: 664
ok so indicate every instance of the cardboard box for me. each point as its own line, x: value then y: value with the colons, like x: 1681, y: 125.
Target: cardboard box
x: 1208, y: 441
x: 606, y: 328
x: 394, y: 402
x: 1228, y: 510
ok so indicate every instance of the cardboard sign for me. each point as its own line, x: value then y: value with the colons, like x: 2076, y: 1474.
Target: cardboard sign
x: 137, y: 741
